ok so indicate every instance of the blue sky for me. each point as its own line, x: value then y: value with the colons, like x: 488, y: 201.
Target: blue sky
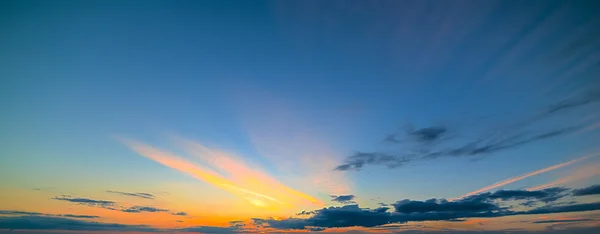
x: 293, y: 89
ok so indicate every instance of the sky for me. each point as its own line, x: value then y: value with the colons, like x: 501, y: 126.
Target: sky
x: 458, y: 116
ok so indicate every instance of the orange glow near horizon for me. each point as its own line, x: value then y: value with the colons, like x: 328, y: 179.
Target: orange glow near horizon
x: 253, y: 186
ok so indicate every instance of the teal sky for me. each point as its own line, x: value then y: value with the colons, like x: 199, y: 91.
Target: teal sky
x: 467, y: 94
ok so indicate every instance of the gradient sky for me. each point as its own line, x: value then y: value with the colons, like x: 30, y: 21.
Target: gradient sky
x: 236, y: 116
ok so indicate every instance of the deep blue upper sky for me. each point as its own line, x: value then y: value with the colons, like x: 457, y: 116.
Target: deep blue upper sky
x: 287, y: 82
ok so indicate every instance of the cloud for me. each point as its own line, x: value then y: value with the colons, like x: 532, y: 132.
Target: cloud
x: 59, y: 223
x: 574, y: 102
x: 88, y: 202
x: 346, y: 216
x: 507, y: 137
x: 25, y: 213
x: 210, y: 229
x: 592, y: 190
x: 33, y: 222
x: 139, y: 209
x: 359, y: 159
x: 180, y: 213
x: 515, y: 179
x: 14, y: 212
x: 345, y: 199
x: 422, y: 135
x: 79, y: 216
x: 485, y: 205
x: 140, y: 195
x: 562, y: 221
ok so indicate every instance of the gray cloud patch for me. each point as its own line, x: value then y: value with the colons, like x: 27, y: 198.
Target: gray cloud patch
x: 592, y: 190
x: 25, y: 213
x: 359, y: 159
x: 139, y: 209
x: 345, y: 199
x: 430, y: 145
x: 562, y: 221
x: 87, y: 202
x: 140, y: 195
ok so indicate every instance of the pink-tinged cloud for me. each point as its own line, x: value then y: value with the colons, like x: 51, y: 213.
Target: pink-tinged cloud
x: 581, y: 173
x: 530, y: 174
x: 256, y: 187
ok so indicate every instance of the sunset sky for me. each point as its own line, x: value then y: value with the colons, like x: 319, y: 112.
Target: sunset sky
x: 299, y: 116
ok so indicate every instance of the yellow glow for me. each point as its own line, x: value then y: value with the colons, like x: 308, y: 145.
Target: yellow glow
x: 251, y: 185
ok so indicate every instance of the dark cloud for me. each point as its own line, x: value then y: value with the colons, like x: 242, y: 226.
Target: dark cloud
x: 307, y: 213
x: 483, y: 146
x: 140, y: 195
x: 209, y: 229
x: 592, y: 190
x: 562, y: 221
x: 87, y: 201
x: 35, y: 222
x: 180, y: 213
x: 485, y: 205
x: 427, y: 135
x: 344, y: 199
x: 359, y: 159
x: 14, y: 212
x: 346, y: 216
x: 25, y: 213
x: 139, y: 209
x: 59, y: 223
x: 237, y: 224
x: 79, y: 216
x: 544, y: 195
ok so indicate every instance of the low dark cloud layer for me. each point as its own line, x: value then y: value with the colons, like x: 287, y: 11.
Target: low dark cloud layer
x: 59, y: 223
x: 140, y: 195
x: 25, y: 213
x: 486, y: 205
x: 344, y: 199
x: 592, y: 190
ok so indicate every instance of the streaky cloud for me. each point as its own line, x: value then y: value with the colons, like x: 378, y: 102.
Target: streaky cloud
x: 530, y: 174
x: 140, y: 195
x: 139, y: 209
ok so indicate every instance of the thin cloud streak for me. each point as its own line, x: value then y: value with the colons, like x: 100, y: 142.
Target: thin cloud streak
x: 515, y: 179
x: 581, y: 173
x: 261, y: 193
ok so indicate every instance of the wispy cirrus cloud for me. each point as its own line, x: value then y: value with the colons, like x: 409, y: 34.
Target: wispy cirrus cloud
x: 140, y: 195
x: 578, y: 174
x: 530, y: 174
x: 428, y: 143
x: 254, y: 186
